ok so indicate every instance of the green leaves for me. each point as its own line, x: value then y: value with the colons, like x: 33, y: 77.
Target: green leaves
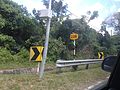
x: 19, y: 29
x: 15, y: 21
x: 58, y: 8
x: 93, y: 16
x: 5, y: 56
x: 7, y: 41
x: 2, y: 22
x: 55, y: 48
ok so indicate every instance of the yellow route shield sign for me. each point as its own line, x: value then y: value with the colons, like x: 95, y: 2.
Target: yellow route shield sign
x: 36, y: 53
x: 100, y: 55
x: 73, y: 36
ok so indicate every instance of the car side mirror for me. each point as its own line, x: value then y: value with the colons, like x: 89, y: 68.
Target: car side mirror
x: 109, y: 63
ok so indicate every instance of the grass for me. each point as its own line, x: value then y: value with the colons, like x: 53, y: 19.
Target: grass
x: 15, y: 65
x: 70, y: 80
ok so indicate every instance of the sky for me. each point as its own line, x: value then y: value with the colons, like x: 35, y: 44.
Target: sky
x: 105, y: 8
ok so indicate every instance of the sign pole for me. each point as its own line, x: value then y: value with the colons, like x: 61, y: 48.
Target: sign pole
x: 74, y: 47
x: 38, y: 68
x: 73, y: 37
x: 46, y: 44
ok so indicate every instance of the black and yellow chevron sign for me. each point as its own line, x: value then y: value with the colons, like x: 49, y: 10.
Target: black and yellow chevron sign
x: 36, y: 53
x: 100, y: 55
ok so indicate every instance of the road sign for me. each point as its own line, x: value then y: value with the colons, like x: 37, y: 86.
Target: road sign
x: 36, y: 53
x: 100, y: 55
x: 45, y: 13
x: 73, y: 36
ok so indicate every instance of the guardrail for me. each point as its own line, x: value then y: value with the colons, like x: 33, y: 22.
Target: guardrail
x: 74, y: 63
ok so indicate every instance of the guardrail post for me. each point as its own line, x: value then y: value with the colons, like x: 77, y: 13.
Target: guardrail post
x: 75, y: 67
x: 87, y: 66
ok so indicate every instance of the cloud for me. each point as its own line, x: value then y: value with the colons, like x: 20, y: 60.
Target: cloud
x: 77, y: 7
x: 31, y: 4
x: 78, y: 10
x: 113, y: 8
x: 96, y: 7
x: 117, y: 0
x: 96, y: 23
x: 74, y: 7
x: 118, y: 10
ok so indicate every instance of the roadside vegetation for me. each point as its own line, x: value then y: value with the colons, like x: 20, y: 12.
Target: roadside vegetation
x: 19, y: 30
x: 78, y: 80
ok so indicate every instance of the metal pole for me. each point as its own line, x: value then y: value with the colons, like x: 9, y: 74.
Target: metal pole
x: 74, y: 47
x: 74, y: 67
x: 46, y: 44
x: 38, y: 68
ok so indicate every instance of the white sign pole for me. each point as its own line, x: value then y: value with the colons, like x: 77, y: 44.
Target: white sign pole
x: 74, y: 47
x: 38, y: 68
x: 46, y: 44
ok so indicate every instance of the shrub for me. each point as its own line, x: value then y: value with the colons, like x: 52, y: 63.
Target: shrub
x: 22, y: 56
x: 54, y: 49
x: 7, y: 41
x: 5, y: 56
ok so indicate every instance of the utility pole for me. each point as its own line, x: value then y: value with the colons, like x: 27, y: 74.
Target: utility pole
x: 46, y: 43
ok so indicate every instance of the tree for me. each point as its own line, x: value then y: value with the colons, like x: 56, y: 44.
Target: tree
x: 93, y: 15
x: 59, y: 13
x: 87, y: 35
x: 7, y: 41
x: 55, y: 49
x: 114, y: 22
x: 17, y: 22
x: 105, y: 41
x: 59, y: 10
x: 116, y: 41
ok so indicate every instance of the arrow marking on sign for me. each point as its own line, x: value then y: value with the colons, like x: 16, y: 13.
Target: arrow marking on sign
x: 100, y: 55
x: 37, y: 53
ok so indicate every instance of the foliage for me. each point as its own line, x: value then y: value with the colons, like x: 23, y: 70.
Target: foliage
x: 113, y: 42
x: 2, y: 22
x: 19, y: 30
x: 7, y: 41
x: 5, y: 56
x: 93, y: 16
x: 55, y: 48
x: 19, y: 60
x: 58, y: 8
x: 86, y: 34
x: 114, y: 22
x: 116, y: 41
x: 22, y: 56
x: 16, y: 21
x: 34, y: 41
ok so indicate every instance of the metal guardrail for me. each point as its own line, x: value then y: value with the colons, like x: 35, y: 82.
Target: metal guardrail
x: 75, y: 63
